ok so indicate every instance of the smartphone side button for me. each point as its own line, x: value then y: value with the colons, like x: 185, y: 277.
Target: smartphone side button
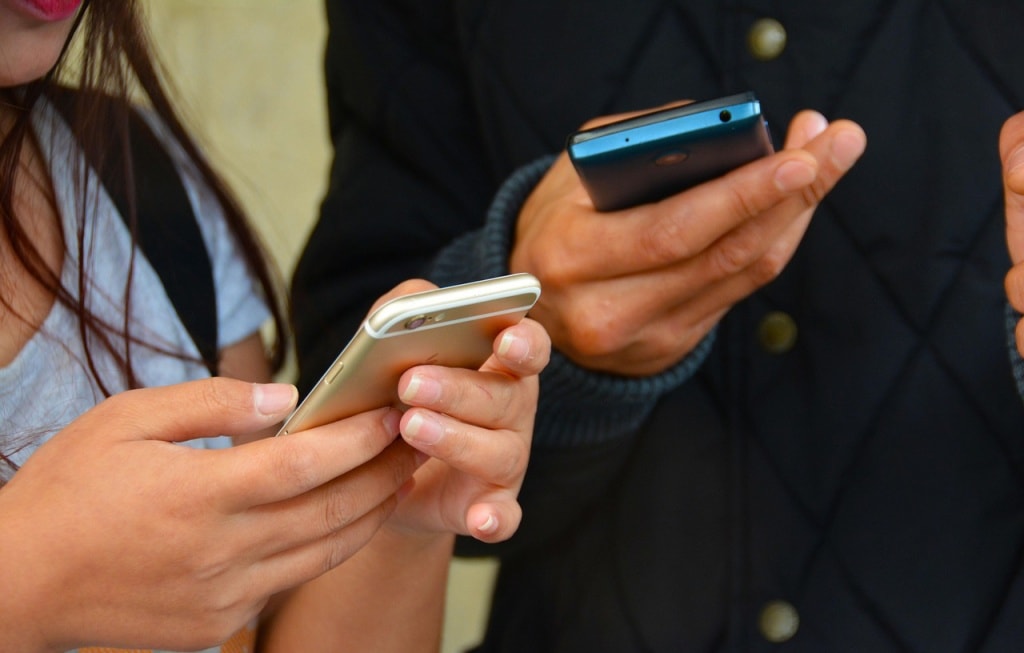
x: 335, y: 371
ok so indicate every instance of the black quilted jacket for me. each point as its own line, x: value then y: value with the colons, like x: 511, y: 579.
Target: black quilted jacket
x: 865, y: 481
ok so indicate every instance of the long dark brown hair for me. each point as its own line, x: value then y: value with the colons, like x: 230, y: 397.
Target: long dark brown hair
x: 114, y: 60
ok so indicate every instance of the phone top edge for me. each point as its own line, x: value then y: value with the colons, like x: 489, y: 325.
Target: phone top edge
x: 403, y: 308
x: 743, y: 106
x: 387, y: 332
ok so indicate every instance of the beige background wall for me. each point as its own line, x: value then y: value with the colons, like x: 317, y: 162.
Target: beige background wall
x: 250, y: 80
x: 249, y: 72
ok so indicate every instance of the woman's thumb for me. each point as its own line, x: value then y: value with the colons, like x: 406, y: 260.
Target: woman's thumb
x: 196, y: 409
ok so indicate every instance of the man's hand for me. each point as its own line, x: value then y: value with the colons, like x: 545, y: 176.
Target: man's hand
x: 632, y: 292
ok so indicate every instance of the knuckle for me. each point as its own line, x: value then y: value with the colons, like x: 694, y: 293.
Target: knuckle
x: 459, y: 448
x: 731, y: 255
x: 593, y: 324
x: 342, y: 546
x: 553, y: 267
x: 596, y: 338
x: 767, y: 268
x: 221, y: 393
x: 667, y: 241
x: 338, y: 551
x: 402, y: 469
x: 741, y: 200
x: 338, y: 510
x: 126, y: 405
x: 297, y: 466
x: 512, y: 465
x: 814, y: 193
x: 457, y: 395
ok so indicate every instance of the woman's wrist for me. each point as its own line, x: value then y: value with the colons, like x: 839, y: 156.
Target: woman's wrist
x: 22, y: 607
x: 398, y: 543
x: 397, y: 578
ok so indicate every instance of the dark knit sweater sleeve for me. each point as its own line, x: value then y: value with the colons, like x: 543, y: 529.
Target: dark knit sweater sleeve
x: 1016, y: 361
x: 577, y: 406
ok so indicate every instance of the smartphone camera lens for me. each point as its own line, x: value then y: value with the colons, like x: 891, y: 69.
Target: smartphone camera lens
x: 420, y: 320
x: 725, y: 115
x: 671, y: 158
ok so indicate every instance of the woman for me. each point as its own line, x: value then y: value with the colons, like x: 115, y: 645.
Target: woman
x: 111, y: 536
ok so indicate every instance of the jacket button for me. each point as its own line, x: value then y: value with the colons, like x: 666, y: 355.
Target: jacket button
x: 777, y: 332
x: 766, y: 39
x: 778, y: 622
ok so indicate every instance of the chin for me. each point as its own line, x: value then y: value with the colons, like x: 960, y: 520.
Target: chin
x: 27, y: 64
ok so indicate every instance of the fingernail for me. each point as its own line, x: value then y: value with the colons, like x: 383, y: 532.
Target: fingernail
x: 819, y: 125
x: 393, y: 421
x: 794, y: 174
x: 422, y: 389
x: 272, y: 399
x: 514, y: 348
x: 845, y: 149
x: 489, y: 527
x: 423, y: 430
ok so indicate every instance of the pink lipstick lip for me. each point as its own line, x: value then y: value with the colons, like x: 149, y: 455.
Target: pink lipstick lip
x: 51, y: 10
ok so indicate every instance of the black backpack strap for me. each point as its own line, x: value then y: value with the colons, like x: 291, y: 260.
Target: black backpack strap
x: 170, y: 238
x: 168, y: 233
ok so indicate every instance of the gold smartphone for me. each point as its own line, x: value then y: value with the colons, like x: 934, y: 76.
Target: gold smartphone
x: 454, y: 326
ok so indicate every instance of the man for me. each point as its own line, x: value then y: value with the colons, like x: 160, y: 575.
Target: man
x: 725, y: 460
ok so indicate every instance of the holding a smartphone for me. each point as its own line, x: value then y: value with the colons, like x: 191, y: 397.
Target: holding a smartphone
x: 650, y: 157
x: 454, y: 326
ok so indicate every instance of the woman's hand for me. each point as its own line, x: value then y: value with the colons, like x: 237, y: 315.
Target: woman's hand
x: 473, y: 429
x: 476, y: 425
x: 114, y: 535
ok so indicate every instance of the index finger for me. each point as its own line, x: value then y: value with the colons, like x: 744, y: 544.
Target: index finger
x: 279, y: 468
x: 601, y: 121
x: 407, y: 287
x: 683, y: 226
x: 1011, y: 151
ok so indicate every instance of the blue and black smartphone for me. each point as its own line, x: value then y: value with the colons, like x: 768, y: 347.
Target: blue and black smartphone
x: 650, y: 157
